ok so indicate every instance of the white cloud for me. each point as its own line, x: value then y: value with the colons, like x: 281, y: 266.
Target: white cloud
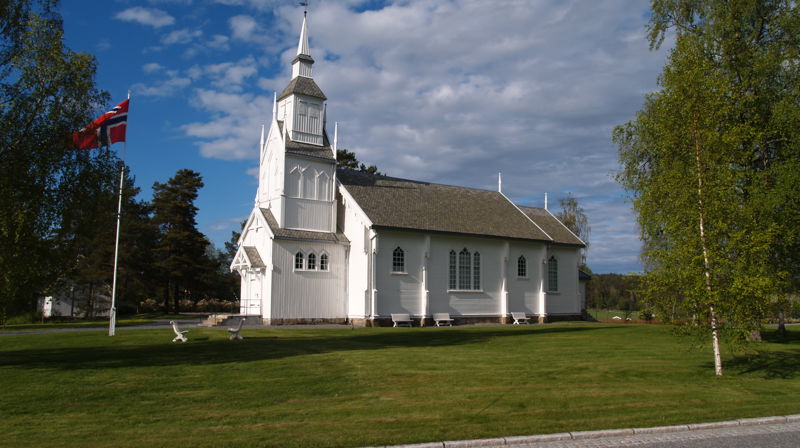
x: 219, y: 42
x: 164, y: 88
x: 146, y: 16
x: 233, y: 132
x: 457, y: 91
x: 182, y: 36
x: 245, y: 28
x: 152, y: 67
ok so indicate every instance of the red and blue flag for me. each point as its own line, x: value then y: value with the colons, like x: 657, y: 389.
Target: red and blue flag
x: 107, y: 129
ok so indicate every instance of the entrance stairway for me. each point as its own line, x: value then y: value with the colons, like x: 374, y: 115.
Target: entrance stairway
x: 229, y: 320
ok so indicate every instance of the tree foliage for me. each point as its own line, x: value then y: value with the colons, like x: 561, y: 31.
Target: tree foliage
x: 347, y: 160
x: 46, y: 92
x: 575, y: 219
x: 711, y: 159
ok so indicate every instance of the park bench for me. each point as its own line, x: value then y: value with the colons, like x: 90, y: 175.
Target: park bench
x: 234, y: 331
x: 519, y: 318
x: 179, y: 334
x: 401, y: 319
x: 442, y: 319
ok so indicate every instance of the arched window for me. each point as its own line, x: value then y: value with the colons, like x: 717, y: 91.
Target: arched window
x: 309, y: 187
x: 522, y: 266
x: 294, y: 182
x: 312, y: 262
x: 464, y: 269
x: 453, y: 265
x: 398, y: 260
x: 476, y: 271
x: 323, y: 262
x: 552, y: 274
x: 323, y: 186
x: 298, y: 261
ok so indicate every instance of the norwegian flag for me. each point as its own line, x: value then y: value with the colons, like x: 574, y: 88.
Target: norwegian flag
x: 107, y: 129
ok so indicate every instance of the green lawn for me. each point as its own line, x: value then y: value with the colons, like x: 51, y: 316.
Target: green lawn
x: 322, y: 387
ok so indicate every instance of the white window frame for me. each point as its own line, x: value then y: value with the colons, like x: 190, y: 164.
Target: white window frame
x: 552, y: 274
x: 464, y: 271
x: 401, y: 258
x: 522, y: 267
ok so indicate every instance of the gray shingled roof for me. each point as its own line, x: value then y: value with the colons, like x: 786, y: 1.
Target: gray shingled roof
x: 254, y: 257
x: 301, y: 85
x: 413, y: 205
x: 551, y: 225
x: 304, y: 149
x: 307, y: 235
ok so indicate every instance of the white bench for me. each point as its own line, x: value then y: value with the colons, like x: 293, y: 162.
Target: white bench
x: 519, y: 318
x: 401, y: 319
x: 234, y: 331
x: 442, y: 319
x: 179, y: 334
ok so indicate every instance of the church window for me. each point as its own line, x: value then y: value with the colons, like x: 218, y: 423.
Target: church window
x: 312, y: 262
x: 465, y: 271
x: 295, y: 180
x: 308, y: 185
x: 323, y: 186
x: 323, y: 262
x: 452, y: 284
x: 398, y: 260
x: 522, y: 266
x: 298, y: 261
x: 552, y: 274
x: 476, y: 271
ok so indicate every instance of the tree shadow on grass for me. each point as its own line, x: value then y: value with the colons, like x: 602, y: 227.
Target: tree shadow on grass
x: 768, y: 364
x: 209, y: 350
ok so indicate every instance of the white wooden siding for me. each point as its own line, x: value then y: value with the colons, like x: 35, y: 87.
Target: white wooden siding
x: 567, y: 299
x: 308, y: 294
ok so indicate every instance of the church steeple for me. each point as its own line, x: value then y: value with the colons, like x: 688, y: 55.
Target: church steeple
x: 301, y: 105
x: 301, y: 65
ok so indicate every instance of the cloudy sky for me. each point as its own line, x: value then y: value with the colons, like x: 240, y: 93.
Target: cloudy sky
x: 448, y: 91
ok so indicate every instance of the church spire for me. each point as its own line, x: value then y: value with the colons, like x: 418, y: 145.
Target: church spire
x: 302, y: 46
x: 301, y: 65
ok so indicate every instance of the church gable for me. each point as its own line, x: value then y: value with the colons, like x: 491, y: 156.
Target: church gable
x: 550, y: 224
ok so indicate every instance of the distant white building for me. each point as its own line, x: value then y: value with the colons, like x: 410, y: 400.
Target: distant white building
x: 328, y: 245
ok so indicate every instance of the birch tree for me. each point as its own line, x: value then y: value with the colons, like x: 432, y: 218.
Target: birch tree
x: 707, y: 163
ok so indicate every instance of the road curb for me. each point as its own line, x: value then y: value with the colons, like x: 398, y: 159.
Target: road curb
x: 579, y: 435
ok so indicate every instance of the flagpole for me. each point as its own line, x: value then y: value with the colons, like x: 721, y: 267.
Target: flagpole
x: 112, y: 321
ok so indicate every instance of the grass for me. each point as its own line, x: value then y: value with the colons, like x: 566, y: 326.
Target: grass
x: 335, y: 388
x: 65, y: 322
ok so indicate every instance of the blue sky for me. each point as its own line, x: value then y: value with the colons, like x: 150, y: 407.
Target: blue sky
x: 448, y: 91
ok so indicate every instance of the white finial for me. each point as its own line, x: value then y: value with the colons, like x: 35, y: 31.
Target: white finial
x: 545, y: 200
x: 261, y: 145
x: 335, y: 138
x: 302, y: 46
x: 274, y: 105
x: 500, y: 182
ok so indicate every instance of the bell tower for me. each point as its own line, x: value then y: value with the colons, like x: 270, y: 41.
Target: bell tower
x: 298, y: 165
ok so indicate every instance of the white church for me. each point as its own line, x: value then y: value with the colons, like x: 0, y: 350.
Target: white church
x: 340, y: 246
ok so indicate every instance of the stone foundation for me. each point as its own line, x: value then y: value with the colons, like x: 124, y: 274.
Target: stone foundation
x: 419, y: 321
x: 311, y: 321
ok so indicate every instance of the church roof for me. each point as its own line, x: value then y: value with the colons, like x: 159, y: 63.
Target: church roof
x: 305, y: 235
x: 413, y: 205
x: 307, y: 150
x: 301, y: 85
x: 254, y: 257
x: 550, y: 224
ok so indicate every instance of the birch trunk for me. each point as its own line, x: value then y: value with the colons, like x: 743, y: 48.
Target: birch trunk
x: 703, y: 244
